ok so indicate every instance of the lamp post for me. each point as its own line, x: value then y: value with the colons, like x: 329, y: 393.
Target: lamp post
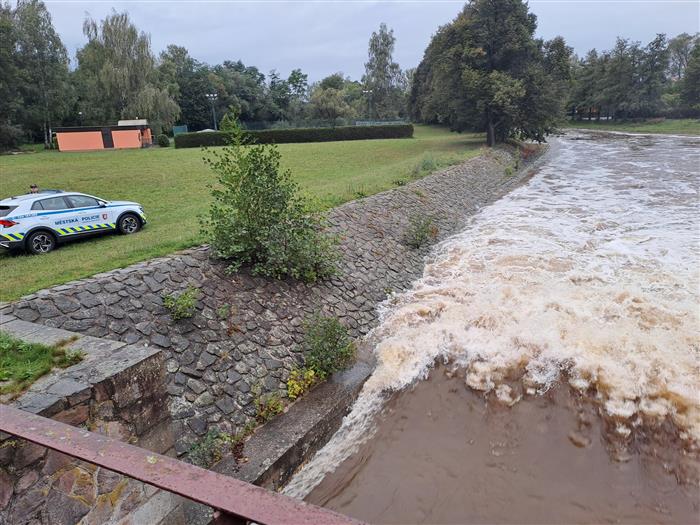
x: 368, y: 92
x: 211, y: 97
x: 80, y: 118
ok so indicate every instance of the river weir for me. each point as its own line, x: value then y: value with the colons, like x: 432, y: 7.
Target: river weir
x: 564, y: 321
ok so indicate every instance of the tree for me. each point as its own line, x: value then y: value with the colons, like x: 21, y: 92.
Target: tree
x: 690, y: 86
x: 117, y: 76
x: 329, y: 104
x: 336, y: 97
x: 652, y: 79
x: 44, y: 68
x: 486, y: 71
x: 383, y: 78
x: 680, y: 49
x: 10, y: 100
x: 188, y: 82
x: 298, y: 83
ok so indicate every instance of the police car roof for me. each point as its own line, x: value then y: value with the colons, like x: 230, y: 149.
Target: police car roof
x: 30, y: 196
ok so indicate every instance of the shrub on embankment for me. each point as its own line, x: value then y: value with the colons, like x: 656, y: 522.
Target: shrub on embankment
x: 259, y: 217
x: 285, y: 136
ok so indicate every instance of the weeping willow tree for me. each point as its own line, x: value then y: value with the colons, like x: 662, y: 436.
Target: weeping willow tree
x: 117, y: 75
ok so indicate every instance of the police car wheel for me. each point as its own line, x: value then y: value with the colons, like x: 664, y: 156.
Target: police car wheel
x: 129, y: 223
x: 40, y: 242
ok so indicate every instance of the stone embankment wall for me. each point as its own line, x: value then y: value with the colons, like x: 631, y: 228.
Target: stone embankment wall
x: 243, y: 339
x: 117, y: 390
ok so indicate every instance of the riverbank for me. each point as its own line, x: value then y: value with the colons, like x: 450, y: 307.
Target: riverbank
x: 662, y: 126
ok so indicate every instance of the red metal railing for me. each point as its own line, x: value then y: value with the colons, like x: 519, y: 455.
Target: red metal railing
x: 233, y: 500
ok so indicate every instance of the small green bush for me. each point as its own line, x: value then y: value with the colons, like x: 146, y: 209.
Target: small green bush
x: 290, y: 135
x: 163, y: 140
x: 327, y: 346
x: 182, y: 305
x: 421, y: 230
x: 426, y: 166
x: 300, y: 381
x: 259, y: 217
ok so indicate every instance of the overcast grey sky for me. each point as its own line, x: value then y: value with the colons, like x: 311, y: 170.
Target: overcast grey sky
x: 322, y: 37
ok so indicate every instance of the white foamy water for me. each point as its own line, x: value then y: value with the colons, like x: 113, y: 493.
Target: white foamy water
x: 592, y: 269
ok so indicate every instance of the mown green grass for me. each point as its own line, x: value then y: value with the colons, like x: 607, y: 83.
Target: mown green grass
x: 23, y: 363
x: 669, y: 126
x: 172, y: 185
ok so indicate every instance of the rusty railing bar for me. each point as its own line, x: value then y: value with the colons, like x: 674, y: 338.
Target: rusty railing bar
x: 223, y: 493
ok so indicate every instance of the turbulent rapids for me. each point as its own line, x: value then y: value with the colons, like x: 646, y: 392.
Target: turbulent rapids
x: 589, y: 274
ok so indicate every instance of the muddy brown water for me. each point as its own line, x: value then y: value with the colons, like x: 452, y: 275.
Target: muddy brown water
x: 578, y: 291
x: 444, y: 453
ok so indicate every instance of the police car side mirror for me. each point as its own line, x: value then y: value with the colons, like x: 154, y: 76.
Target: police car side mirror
x: 103, y: 204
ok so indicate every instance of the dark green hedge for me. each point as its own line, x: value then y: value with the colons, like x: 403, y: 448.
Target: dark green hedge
x: 282, y: 136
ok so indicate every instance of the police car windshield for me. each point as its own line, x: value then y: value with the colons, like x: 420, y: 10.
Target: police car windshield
x: 5, y: 210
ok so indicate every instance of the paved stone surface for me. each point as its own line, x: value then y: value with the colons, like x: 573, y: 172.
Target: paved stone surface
x: 243, y: 339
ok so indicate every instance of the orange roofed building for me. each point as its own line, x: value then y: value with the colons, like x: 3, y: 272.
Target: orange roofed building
x: 126, y: 134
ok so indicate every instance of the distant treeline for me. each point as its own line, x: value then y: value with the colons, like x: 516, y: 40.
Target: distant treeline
x: 483, y: 71
x: 631, y: 81
x: 116, y: 76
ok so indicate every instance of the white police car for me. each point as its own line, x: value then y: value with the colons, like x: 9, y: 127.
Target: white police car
x: 38, y: 222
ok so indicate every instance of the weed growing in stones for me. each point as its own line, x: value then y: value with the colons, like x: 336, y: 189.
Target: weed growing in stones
x: 223, y: 311
x: 211, y: 449
x: 327, y: 346
x: 420, y: 231
x: 300, y: 381
x: 268, y: 406
x: 427, y: 165
x: 182, y: 305
x: 399, y: 182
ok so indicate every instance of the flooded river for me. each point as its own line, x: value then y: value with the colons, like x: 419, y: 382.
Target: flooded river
x: 567, y: 319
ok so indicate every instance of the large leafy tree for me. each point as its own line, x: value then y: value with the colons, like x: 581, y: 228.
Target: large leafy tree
x: 383, y: 78
x: 43, y: 63
x: 336, y: 99
x: 117, y: 76
x: 486, y: 71
x: 680, y: 48
x: 187, y: 81
x: 690, y: 86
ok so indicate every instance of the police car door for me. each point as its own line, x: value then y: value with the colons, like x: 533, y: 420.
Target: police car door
x: 56, y: 213
x: 88, y: 212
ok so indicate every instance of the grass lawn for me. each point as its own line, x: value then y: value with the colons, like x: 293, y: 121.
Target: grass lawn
x: 23, y: 363
x: 171, y: 184
x: 687, y: 126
